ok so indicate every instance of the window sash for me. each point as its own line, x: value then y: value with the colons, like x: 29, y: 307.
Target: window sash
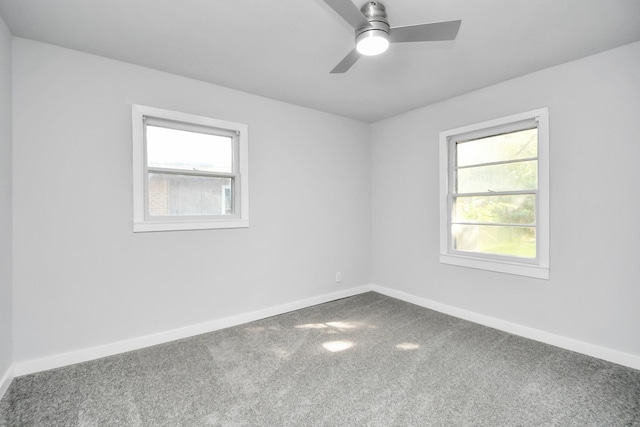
x: 190, y: 127
x: 489, y: 255
x: 497, y: 257
x: 496, y: 130
x: 453, y: 194
x: 192, y: 202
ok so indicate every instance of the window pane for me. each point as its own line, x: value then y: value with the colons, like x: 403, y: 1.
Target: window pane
x: 511, y: 209
x: 500, y: 240
x: 504, y: 177
x: 511, y: 146
x: 180, y: 149
x: 189, y: 195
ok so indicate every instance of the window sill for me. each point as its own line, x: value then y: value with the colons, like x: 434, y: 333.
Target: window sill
x: 143, y: 227
x: 527, y: 270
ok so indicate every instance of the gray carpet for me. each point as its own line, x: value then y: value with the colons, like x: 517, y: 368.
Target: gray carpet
x: 368, y: 360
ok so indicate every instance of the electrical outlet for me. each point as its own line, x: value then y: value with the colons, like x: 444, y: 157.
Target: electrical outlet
x: 338, y: 277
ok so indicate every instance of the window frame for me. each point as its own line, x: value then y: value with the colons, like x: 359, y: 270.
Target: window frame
x: 142, y: 221
x: 537, y: 267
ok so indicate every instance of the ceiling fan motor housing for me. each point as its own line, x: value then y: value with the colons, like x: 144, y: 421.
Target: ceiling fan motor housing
x: 377, y: 16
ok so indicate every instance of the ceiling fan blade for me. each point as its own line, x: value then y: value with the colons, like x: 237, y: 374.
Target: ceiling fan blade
x: 349, y: 12
x: 346, y: 62
x: 435, y: 31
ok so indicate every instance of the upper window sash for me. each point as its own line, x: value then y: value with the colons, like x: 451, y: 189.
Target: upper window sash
x: 473, y: 132
x: 189, y: 127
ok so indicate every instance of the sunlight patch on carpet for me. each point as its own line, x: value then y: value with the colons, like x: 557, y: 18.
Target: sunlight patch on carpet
x: 408, y: 346
x: 336, y: 346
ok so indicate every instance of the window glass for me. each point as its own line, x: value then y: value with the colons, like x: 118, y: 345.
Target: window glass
x: 180, y: 149
x: 510, y: 146
x: 505, y: 209
x: 519, y: 175
x: 171, y: 194
x: 510, y: 241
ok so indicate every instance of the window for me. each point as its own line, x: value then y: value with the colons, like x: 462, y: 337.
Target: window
x: 189, y: 172
x: 494, y: 195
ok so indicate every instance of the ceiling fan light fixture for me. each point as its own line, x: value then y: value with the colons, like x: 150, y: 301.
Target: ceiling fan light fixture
x: 372, y: 42
x: 373, y: 32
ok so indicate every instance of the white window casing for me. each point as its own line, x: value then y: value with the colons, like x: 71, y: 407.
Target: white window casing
x: 238, y: 175
x: 538, y: 266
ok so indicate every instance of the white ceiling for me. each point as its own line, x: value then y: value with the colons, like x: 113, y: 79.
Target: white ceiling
x: 284, y: 49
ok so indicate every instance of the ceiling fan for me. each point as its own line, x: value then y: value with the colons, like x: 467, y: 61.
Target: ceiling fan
x: 373, y: 33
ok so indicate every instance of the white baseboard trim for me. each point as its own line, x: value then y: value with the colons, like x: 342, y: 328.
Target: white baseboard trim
x: 615, y: 356
x: 5, y: 381
x: 56, y: 361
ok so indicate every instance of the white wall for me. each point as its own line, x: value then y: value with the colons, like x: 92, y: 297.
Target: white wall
x: 6, y: 346
x: 83, y: 278
x: 594, y: 294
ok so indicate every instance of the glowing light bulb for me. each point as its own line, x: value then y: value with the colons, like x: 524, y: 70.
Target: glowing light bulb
x: 373, y: 42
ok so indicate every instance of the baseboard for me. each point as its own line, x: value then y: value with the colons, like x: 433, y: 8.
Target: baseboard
x: 5, y: 381
x: 56, y: 361
x: 615, y: 356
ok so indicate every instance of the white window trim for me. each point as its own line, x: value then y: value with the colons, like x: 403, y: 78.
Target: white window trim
x: 142, y: 224
x: 539, y: 269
